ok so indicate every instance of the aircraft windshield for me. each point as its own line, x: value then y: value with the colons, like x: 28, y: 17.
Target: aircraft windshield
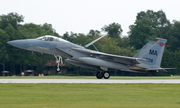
x: 50, y: 38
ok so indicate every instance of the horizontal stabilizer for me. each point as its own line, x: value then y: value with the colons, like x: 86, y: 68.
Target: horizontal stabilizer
x: 165, y: 40
x: 161, y: 69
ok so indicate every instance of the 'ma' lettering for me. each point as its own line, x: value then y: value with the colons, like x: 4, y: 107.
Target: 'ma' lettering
x: 153, y: 52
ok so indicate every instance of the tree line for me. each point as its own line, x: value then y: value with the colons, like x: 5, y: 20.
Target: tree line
x: 147, y: 26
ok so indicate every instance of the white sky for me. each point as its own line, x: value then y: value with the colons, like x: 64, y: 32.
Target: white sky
x: 80, y: 16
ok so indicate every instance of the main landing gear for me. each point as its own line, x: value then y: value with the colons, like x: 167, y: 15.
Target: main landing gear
x: 59, y: 59
x: 105, y: 74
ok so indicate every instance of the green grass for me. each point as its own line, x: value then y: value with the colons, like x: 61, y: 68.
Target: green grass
x: 88, y: 77
x: 89, y: 95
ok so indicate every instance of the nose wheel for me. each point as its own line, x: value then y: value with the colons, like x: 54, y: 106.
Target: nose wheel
x: 58, y: 69
x: 105, y: 74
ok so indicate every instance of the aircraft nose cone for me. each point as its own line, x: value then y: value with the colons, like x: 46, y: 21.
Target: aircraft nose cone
x: 19, y: 43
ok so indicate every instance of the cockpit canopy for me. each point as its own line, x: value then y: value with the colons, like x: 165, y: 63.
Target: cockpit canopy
x: 51, y: 38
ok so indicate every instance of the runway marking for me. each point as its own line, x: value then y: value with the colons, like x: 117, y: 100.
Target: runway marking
x: 170, y: 81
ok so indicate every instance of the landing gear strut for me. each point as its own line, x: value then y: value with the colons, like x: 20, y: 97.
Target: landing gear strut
x: 105, y: 74
x: 58, y: 58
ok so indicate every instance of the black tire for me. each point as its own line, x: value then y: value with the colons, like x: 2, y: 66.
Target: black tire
x: 99, y: 75
x: 106, y: 75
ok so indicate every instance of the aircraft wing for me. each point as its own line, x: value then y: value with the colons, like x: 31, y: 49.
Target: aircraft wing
x: 62, y: 52
x: 110, y: 57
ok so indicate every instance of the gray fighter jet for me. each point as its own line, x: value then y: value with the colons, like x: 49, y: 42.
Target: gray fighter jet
x: 148, y: 59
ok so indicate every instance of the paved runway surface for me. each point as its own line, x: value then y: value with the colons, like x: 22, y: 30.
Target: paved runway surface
x: 89, y: 80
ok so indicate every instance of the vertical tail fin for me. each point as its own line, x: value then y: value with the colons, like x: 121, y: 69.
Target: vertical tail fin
x: 153, y: 52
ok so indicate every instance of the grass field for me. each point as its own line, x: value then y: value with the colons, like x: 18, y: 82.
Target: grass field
x: 89, y: 95
x: 88, y: 77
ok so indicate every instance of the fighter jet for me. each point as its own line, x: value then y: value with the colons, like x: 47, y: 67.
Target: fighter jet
x: 148, y: 59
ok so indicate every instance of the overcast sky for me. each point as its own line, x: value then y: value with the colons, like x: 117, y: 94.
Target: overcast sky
x: 80, y: 16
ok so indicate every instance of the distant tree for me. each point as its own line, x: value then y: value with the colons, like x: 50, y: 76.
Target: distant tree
x: 72, y: 36
x: 113, y: 30
x: 108, y: 45
x: 148, y: 26
x: 68, y: 36
x: 174, y: 41
x: 4, y: 56
x: 12, y: 51
x: 141, y: 31
x: 48, y: 29
x: 11, y: 18
x: 162, y: 23
x: 92, y: 33
x: 122, y: 42
x: 171, y: 60
x: 31, y: 31
x: 8, y: 31
x: 81, y: 39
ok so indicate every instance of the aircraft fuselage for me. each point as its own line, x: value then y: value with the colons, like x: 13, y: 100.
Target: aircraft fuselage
x: 83, y: 57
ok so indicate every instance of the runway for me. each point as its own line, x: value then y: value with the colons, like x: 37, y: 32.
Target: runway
x: 170, y: 81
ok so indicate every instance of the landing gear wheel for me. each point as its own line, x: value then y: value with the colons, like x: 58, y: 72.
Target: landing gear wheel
x: 58, y: 69
x: 99, y: 75
x: 106, y: 75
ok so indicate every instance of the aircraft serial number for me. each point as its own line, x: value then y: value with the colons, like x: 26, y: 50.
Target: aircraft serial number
x: 149, y: 60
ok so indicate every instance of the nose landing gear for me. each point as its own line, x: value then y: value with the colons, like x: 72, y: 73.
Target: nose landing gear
x: 59, y: 60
